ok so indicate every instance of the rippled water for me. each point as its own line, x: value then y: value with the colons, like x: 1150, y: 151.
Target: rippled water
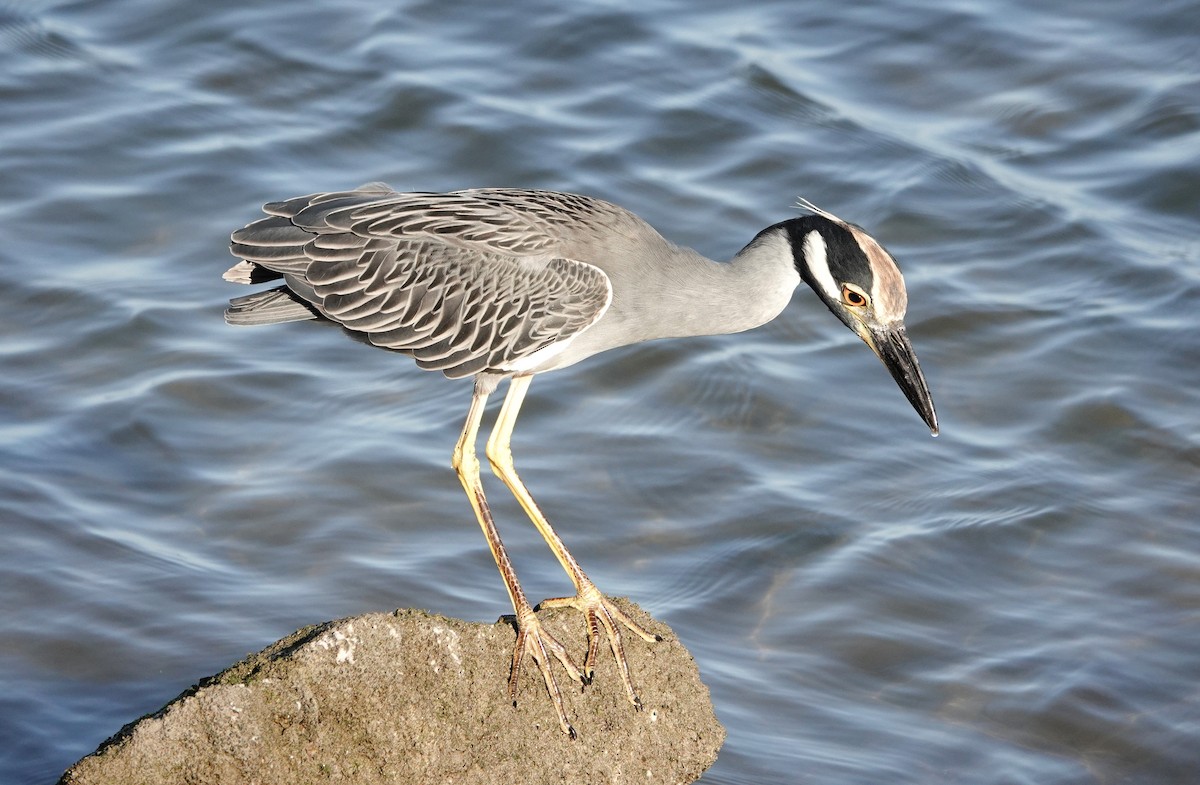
x: 1016, y: 601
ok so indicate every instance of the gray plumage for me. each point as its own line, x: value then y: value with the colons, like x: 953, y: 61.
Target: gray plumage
x: 495, y: 281
x: 461, y: 282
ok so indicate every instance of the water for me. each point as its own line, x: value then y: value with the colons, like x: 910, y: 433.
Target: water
x: 1016, y: 601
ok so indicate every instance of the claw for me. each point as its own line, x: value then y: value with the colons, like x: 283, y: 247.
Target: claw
x: 534, y: 640
x: 600, y: 611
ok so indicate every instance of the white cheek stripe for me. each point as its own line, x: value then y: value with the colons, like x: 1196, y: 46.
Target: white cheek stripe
x: 815, y: 253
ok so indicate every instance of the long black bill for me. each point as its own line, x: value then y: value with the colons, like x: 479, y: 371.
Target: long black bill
x: 896, y: 351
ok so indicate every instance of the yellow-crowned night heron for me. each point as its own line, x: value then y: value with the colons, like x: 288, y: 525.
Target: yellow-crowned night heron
x: 502, y: 283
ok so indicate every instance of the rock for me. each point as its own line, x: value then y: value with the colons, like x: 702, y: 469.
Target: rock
x: 409, y: 697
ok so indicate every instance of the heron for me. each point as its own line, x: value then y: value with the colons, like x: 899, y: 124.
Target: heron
x: 504, y: 284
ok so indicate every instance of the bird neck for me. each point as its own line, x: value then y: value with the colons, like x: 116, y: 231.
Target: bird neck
x: 760, y: 280
x: 704, y: 297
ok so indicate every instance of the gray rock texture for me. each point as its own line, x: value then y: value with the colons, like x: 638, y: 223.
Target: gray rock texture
x: 408, y: 697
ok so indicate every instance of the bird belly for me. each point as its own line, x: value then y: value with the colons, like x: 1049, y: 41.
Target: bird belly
x: 541, y: 360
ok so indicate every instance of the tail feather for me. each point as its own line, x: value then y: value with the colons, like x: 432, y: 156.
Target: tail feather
x: 281, y: 245
x: 250, y: 273
x: 270, y: 307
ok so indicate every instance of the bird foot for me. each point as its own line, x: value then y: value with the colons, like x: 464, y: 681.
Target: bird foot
x: 599, y: 610
x: 539, y: 644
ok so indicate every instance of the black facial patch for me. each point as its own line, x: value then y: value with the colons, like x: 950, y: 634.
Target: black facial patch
x: 846, y: 259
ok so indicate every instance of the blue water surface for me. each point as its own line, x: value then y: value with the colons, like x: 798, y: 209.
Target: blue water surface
x: 1017, y: 601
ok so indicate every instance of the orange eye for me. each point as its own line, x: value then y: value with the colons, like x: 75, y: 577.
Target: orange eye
x: 853, y: 298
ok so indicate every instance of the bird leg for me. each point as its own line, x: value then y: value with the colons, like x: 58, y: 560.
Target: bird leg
x: 588, y: 600
x: 532, y: 639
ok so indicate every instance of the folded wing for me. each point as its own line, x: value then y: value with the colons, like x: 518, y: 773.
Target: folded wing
x: 461, y: 283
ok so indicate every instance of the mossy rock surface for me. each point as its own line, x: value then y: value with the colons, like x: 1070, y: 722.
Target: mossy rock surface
x: 411, y: 697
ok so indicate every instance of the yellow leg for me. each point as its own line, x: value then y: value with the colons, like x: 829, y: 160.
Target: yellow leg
x: 531, y: 638
x: 588, y: 599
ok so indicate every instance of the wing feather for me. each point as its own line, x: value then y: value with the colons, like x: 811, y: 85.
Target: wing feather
x: 463, y: 282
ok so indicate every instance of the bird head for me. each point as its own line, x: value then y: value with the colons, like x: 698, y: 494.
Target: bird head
x: 860, y: 282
